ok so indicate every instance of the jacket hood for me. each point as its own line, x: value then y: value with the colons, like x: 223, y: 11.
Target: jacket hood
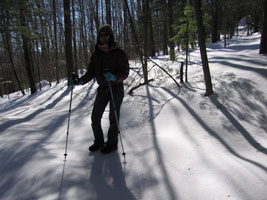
x: 106, y: 29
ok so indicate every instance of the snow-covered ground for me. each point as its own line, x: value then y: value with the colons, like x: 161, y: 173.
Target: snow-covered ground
x: 179, y: 144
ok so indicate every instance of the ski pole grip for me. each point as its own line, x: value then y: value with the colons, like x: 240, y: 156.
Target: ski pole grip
x: 73, y: 75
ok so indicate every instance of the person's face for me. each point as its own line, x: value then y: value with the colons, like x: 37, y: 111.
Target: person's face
x: 104, y: 38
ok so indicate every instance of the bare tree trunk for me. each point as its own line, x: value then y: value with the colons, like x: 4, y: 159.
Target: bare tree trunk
x: 7, y: 41
x: 171, y: 34
x: 145, y: 38
x: 215, y: 17
x: 74, y: 38
x: 93, y: 4
x: 137, y: 44
x: 93, y: 17
x: 26, y: 49
x: 125, y: 29
x: 44, y: 43
x: 151, y: 45
x: 201, y: 37
x: 96, y: 16
x: 186, y: 51
x: 165, y: 27
x: 55, y: 39
x: 108, y: 14
x: 68, y: 39
x: 263, y: 44
x: 102, y: 12
x: 9, y: 47
x: 83, y: 32
x: 83, y: 41
x: 38, y: 64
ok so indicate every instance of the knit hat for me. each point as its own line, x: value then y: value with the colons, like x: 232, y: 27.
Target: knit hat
x: 106, y: 29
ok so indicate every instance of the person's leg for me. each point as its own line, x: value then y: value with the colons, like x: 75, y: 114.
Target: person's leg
x: 113, y: 131
x: 100, y: 104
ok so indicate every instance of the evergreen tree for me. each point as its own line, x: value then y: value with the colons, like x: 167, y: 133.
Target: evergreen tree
x: 186, y: 28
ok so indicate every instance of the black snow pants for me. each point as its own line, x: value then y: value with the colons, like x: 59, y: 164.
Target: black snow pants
x: 103, y: 97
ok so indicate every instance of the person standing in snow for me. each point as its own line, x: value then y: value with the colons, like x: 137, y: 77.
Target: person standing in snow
x: 108, y: 63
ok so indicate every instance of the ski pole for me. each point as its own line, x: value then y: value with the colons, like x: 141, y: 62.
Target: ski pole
x: 66, y: 147
x: 116, y: 117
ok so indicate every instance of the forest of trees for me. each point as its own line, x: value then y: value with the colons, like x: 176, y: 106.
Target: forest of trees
x: 48, y: 39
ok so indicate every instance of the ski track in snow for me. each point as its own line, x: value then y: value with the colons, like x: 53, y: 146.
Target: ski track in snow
x: 179, y: 144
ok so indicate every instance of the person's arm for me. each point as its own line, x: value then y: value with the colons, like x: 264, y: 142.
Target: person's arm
x: 123, y: 68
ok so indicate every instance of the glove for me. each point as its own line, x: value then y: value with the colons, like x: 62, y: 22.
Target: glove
x: 75, y: 80
x: 80, y: 82
x: 110, y: 77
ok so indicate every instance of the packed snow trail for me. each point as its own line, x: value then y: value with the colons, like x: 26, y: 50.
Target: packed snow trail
x: 180, y: 145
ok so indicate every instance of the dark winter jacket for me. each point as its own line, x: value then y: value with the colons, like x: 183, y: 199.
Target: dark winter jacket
x: 114, y: 61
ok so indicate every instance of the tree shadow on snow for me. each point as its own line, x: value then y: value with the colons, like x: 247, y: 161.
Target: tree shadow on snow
x: 19, y: 154
x: 216, y: 135
x: 237, y: 125
x: 242, y: 102
x: 16, y: 182
x: 87, y: 100
x: 168, y: 185
x: 150, y: 107
x: 11, y: 123
x: 260, y: 71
